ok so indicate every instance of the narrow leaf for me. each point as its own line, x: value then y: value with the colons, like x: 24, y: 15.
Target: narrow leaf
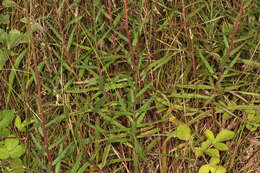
x: 104, y: 156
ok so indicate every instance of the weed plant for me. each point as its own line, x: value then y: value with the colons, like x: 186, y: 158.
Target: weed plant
x: 130, y: 86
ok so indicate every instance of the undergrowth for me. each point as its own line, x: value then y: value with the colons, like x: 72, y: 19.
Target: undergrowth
x: 129, y: 86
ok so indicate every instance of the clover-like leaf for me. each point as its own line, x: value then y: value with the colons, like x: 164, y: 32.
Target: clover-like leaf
x: 18, y: 124
x: 17, y: 152
x: 6, y: 117
x: 214, y: 160
x: 4, y: 153
x: 17, y: 165
x: 212, y: 152
x: 204, y: 169
x: 9, y: 3
x: 3, y: 57
x: 227, y: 115
x: 205, y: 145
x: 183, y: 132
x: 3, y: 36
x: 255, y: 119
x: 221, y: 146
x: 225, y: 135
x: 11, y: 143
x: 218, y: 169
x: 198, y: 151
x: 250, y: 112
x: 209, y: 134
x: 4, y: 18
x: 12, y: 38
x: 251, y: 127
x: 4, y: 132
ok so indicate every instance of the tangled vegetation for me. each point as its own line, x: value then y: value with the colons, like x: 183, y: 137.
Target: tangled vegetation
x: 130, y: 86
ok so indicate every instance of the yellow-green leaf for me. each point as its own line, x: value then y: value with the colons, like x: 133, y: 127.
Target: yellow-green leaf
x: 183, y: 132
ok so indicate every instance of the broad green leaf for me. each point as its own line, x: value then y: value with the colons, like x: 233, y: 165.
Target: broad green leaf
x: 204, y: 169
x: 250, y: 113
x: 212, y: 152
x: 26, y: 122
x: 4, y: 132
x: 183, y: 132
x: 225, y: 135
x: 227, y: 115
x: 214, y: 161
x: 18, y: 124
x: 3, y: 58
x: 6, y: 117
x: 34, y: 25
x: 209, y: 134
x: 17, y: 152
x: 221, y: 146
x: 4, y: 153
x: 256, y: 119
x: 17, y: 165
x: 4, y: 18
x: 198, y: 151
x: 218, y: 169
x: 13, y: 38
x: 11, y: 143
x: 251, y: 127
x: 205, y: 145
x: 3, y: 36
x: 9, y: 3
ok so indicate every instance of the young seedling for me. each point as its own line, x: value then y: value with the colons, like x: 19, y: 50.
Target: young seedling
x: 211, y: 147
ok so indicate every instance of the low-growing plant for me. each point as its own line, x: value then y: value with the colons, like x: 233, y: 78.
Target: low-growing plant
x: 10, y: 149
x: 212, y: 147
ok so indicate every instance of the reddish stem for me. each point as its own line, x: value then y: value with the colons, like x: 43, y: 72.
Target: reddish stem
x: 228, y: 52
x: 38, y: 86
x: 231, y: 44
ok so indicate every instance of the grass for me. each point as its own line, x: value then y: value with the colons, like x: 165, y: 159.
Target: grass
x: 109, y: 85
